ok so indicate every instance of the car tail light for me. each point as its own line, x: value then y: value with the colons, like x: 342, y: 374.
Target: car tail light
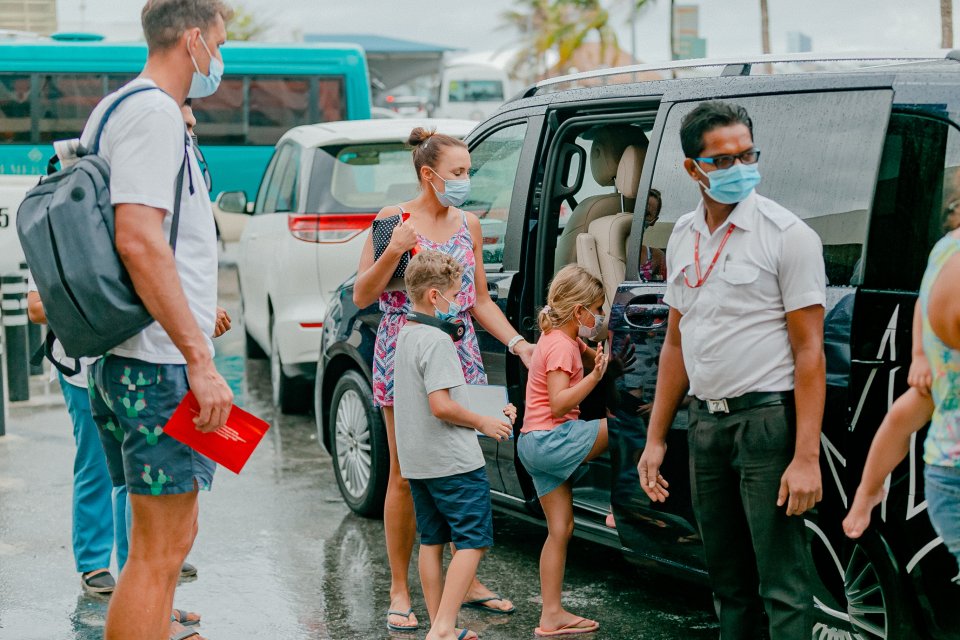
x: 328, y: 227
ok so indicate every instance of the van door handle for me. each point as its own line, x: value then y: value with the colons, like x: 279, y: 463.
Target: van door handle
x: 646, y: 316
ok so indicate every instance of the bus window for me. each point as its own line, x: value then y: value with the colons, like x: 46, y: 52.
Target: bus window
x: 277, y: 104
x: 14, y: 108
x: 331, y: 102
x: 220, y: 116
x: 66, y: 101
x: 476, y: 91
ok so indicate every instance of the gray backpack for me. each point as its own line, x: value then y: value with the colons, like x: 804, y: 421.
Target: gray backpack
x: 66, y: 228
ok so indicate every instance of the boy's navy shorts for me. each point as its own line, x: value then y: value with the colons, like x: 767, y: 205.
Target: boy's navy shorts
x: 454, y: 509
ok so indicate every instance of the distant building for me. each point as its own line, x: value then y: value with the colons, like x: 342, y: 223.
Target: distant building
x: 686, y: 33
x: 35, y: 16
x: 798, y: 42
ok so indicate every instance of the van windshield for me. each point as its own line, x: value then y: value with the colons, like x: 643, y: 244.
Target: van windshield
x: 361, y: 177
x: 476, y: 91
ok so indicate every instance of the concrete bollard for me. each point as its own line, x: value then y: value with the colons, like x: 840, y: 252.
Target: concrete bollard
x: 13, y: 303
x: 34, y: 333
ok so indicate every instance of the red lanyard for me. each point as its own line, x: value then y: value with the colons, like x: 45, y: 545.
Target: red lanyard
x: 696, y: 259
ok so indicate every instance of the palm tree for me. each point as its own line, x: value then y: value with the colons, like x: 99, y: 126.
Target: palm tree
x: 562, y: 26
x: 946, y: 24
x: 765, y: 26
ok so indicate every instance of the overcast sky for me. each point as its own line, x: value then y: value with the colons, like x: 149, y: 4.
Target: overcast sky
x: 731, y: 27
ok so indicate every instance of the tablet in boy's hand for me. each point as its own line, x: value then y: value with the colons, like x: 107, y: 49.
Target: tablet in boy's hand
x: 486, y: 399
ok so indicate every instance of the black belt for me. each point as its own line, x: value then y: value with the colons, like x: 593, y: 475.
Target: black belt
x: 746, y: 401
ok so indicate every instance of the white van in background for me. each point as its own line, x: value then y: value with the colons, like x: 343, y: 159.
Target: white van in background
x: 12, y: 190
x: 472, y: 91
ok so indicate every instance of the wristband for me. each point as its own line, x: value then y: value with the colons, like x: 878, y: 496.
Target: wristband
x: 514, y: 341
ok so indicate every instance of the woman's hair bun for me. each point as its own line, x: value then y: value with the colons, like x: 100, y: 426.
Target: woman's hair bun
x: 418, y: 136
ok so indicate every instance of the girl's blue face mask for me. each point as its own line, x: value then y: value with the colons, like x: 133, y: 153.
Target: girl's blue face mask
x: 455, y: 192
x: 733, y: 185
x: 452, y: 312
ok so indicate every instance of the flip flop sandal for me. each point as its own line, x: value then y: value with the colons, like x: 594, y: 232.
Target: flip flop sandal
x: 181, y: 616
x: 403, y: 614
x: 480, y: 603
x: 98, y: 582
x: 186, y: 633
x: 464, y: 633
x: 570, y: 629
x: 187, y: 570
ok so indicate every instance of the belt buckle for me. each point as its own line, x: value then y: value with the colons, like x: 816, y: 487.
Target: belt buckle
x: 717, y: 406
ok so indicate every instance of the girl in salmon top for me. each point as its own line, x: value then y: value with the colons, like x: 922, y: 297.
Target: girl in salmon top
x: 554, y: 441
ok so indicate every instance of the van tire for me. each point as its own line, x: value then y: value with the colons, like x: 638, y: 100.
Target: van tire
x: 358, y: 445
x: 872, y: 579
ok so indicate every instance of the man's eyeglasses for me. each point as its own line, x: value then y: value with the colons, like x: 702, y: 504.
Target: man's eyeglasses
x: 750, y: 156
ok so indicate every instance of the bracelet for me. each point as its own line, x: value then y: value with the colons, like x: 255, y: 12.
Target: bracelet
x: 514, y: 341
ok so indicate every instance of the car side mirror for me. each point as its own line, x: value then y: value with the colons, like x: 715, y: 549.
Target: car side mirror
x: 233, y: 202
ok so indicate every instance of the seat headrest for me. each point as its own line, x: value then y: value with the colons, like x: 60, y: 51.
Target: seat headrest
x: 628, y: 173
x: 608, y: 145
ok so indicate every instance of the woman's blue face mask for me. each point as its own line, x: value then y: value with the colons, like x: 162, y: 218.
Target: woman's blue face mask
x: 455, y: 192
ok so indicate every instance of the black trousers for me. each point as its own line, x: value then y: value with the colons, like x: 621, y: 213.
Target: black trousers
x: 756, y: 555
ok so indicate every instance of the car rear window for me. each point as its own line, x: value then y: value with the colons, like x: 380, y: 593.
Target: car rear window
x: 367, y: 176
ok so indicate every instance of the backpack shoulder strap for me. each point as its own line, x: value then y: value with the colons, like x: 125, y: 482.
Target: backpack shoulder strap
x: 95, y: 147
x: 177, y: 197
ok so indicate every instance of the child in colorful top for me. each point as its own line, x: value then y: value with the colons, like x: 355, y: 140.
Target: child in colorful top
x: 936, y: 388
x: 436, y: 443
x: 891, y: 443
x: 554, y: 441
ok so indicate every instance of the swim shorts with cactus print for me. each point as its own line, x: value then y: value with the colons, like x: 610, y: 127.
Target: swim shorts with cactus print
x: 131, y: 402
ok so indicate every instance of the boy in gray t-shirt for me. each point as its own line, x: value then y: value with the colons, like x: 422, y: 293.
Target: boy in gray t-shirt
x: 436, y: 443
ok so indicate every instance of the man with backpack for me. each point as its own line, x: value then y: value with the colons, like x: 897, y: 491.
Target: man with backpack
x: 139, y: 382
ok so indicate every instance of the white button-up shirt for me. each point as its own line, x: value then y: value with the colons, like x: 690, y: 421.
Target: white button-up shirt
x: 734, y: 329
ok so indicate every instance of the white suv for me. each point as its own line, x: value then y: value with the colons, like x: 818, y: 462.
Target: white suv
x: 320, y: 193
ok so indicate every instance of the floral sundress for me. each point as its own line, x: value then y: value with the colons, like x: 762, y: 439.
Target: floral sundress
x: 395, y: 306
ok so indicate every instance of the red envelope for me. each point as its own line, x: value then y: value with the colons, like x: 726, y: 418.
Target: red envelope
x: 231, y: 445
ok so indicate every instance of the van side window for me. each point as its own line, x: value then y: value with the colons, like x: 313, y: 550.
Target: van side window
x: 916, y: 200
x: 820, y: 153
x: 495, y: 161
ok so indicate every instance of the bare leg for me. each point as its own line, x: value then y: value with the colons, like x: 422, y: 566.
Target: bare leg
x: 431, y: 577
x: 163, y: 531
x: 460, y: 574
x: 558, y: 508
x: 478, y: 591
x: 400, y: 528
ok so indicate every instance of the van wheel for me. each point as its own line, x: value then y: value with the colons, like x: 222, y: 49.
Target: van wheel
x: 290, y: 394
x: 876, y: 598
x: 358, y: 445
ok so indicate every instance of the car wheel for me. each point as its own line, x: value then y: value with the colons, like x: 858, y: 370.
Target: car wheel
x: 289, y: 393
x: 358, y: 445
x: 876, y: 599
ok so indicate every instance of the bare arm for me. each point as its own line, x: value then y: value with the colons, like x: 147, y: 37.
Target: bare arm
x: 944, y: 303
x: 672, y: 385
x: 447, y: 409
x: 920, y: 377
x: 565, y: 398
x: 145, y: 252
x: 373, y: 276
x: 486, y: 311
x: 801, y: 487
x: 35, y: 308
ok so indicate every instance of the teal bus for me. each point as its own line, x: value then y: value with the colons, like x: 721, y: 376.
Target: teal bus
x: 49, y: 87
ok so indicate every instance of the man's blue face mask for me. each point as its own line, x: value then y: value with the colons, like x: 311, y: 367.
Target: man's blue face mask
x: 733, y: 185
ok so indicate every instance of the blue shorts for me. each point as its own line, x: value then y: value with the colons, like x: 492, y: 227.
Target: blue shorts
x: 132, y: 401
x: 551, y: 456
x: 454, y: 509
x: 942, y: 489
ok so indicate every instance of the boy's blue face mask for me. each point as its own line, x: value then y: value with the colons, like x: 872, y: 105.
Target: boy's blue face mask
x: 452, y: 312
x: 733, y: 185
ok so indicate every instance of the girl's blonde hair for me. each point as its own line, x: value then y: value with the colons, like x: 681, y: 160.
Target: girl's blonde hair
x: 572, y: 286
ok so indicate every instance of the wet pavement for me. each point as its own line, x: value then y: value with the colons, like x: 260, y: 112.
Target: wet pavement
x: 279, y: 554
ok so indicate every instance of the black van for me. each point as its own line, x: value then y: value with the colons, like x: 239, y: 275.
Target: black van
x: 867, y: 152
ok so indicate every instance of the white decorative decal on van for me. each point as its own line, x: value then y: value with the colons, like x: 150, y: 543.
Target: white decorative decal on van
x: 890, y: 336
x: 830, y: 452
x: 927, y: 548
x: 912, y: 509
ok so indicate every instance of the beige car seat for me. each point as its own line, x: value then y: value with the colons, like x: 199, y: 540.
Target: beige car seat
x: 605, y: 153
x: 603, y: 249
